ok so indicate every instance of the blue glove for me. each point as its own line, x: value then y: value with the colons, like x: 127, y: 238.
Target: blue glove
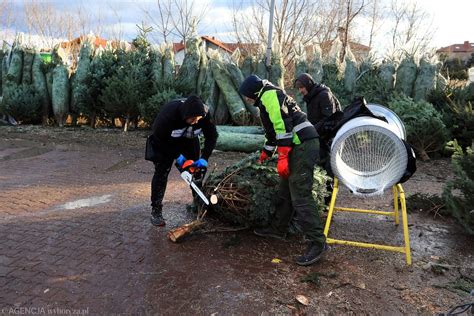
x: 200, y: 163
x: 180, y: 160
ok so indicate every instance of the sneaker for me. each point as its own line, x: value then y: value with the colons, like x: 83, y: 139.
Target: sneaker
x: 157, y: 217
x: 269, y: 232
x: 313, y: 254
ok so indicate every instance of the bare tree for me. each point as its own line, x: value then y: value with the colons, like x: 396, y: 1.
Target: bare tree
x: 6, y: 14
x: 45, y: 20
x: 117, y: 31
x: 87, y: 21
x: 352, y: 9
x: 295, y: 21
x: 160, y: 19
x: 330, y: 17
x: 176, y: 19
x: 375, y: 16
x: 412, y: 29
x: 185, y: 18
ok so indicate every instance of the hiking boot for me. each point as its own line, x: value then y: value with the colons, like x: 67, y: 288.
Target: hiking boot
x: 157, y: 217
x: 314, y: 252
x: 269, y: 232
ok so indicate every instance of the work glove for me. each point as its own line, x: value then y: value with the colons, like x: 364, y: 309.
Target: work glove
x: 180, y: 160
x: 263, y: 157
x: 283, y: 161
x: 200, y: 163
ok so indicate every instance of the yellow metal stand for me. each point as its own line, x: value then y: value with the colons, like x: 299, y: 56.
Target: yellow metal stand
x: 398, y: 199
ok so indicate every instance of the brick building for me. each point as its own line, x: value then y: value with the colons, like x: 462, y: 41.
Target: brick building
x: 462, y: 51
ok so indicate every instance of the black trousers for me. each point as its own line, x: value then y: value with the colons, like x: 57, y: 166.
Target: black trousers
x: 295, y: 194
x: 190, y: 149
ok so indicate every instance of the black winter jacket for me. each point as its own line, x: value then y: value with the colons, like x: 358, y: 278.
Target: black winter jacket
x: 170, y: 128
x: 321, y: 103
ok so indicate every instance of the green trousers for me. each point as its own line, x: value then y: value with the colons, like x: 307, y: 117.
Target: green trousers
x: 295, y: 193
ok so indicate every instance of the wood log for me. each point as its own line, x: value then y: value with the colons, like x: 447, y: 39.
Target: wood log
x: 177, y: 234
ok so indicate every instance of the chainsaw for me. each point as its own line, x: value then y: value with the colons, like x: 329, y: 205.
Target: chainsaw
x: 189, y: 174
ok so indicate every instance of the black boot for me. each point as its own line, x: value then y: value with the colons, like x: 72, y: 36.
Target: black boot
x: 314, y: 252
x: 157, y: 216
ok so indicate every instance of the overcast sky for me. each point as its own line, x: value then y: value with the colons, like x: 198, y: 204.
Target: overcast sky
x: 452, y: 19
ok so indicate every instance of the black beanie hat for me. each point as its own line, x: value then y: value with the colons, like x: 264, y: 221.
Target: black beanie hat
x: 251, y: 85
x: 304, y: 80
x: 193, y: 106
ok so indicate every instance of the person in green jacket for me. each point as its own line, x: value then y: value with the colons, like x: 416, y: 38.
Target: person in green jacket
x: 288, y: 131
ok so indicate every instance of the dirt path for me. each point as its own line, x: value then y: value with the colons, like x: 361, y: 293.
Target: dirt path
x: 75, y: 236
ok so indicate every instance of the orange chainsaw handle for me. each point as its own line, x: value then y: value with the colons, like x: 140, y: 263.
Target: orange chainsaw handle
x: 187, y: 165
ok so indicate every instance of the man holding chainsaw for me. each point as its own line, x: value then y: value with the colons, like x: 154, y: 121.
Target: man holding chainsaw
x: 296, y: 141
x: 175, y: 137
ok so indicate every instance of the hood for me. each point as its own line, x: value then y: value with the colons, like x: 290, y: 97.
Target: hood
x: 191, y: 107
x: 251, y: 86
x: 305, y: 80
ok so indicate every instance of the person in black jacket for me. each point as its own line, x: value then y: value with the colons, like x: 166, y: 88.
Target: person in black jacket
x: 320, y: 100
x: 175, y: 136
x: 321, y: 103
x: 294, y: 138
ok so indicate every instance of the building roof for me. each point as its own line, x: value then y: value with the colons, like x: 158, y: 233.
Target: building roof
x: 98, y: 42
x: 217, y: 43
x: 355, y: 47
x: 466, y: 47
x: 177, y: 47
x: 247, y: 47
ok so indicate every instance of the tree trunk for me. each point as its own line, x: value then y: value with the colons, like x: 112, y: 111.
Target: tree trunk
x: 92, y: 120
x: 125, y: 126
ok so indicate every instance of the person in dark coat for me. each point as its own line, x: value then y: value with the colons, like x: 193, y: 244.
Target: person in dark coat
x: 175, y: 137
x: 294, y: 138
x: 321, y: 103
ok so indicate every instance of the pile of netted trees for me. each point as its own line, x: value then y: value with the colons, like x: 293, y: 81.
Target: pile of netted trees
x: 101, y: 85
x: 130, y: 84
x: 412, y: 76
